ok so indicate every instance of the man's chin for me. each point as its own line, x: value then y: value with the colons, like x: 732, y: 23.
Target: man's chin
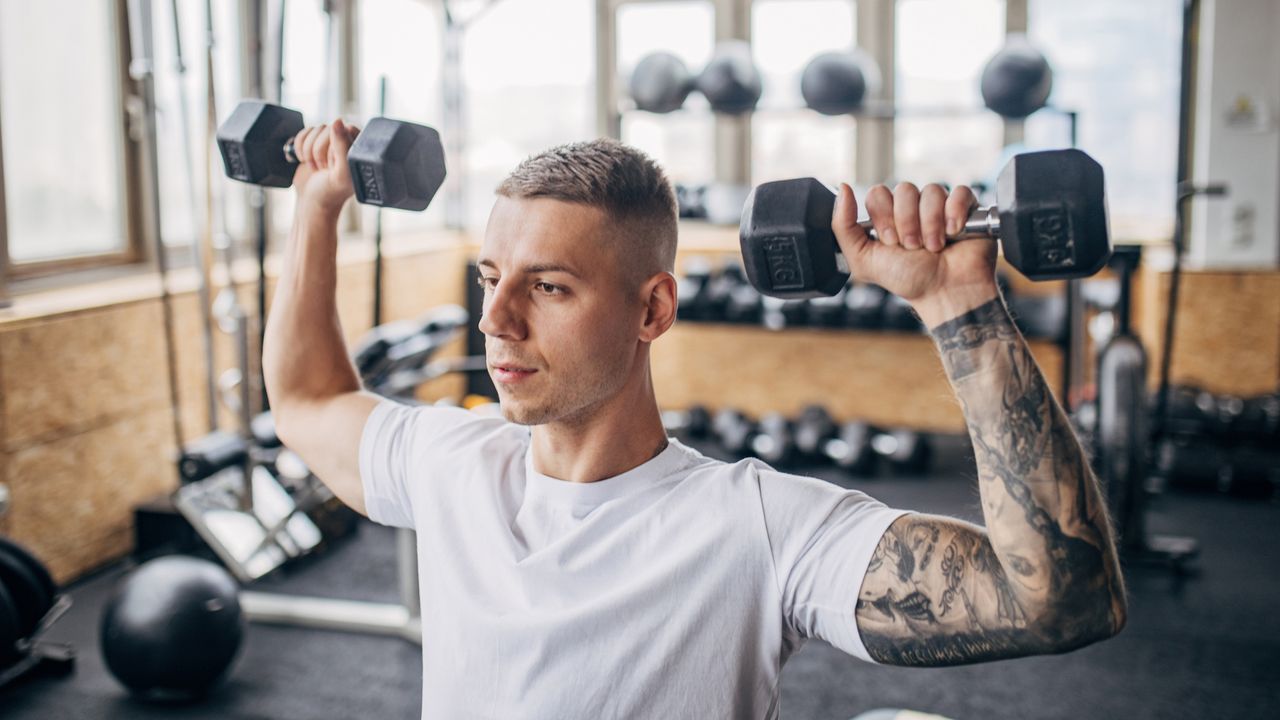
x: 520, y: 414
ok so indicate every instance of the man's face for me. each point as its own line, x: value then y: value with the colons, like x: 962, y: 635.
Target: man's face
x: 559, y: 321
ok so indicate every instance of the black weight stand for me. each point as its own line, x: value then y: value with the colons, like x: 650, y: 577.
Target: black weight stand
x: 1123, y: 438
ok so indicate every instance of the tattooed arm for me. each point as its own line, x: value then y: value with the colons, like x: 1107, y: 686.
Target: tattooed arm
x: 1043, y: 576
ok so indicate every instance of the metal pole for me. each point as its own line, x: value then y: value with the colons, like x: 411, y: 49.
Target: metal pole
x: 197, y: 249
x: 142, y: 71
x: 454, y: 122
x: 377, y: 224
x: 1073, y: 360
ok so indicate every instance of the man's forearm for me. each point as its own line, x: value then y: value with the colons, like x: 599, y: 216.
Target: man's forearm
x: 304, y: 354
x: 1044, y: 512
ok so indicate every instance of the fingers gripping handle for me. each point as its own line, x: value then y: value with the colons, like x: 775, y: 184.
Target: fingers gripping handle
x: 983, y: 222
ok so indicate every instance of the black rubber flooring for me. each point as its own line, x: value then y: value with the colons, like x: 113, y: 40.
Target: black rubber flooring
x: 1203, y: 646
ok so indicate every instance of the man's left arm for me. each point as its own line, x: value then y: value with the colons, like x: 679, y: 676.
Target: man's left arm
x: 1043, y: 575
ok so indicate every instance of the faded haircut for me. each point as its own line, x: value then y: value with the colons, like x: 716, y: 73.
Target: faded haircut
x: 621, y: 180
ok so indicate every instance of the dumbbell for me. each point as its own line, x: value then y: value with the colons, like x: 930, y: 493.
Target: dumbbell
x: 393, y: 163
x: 774, y: 440
x: 732, y: 84
x: 1051, y: 222
x: 848, y: 446
x: 734, y: 431
x: 691, y: 424
x: 864, y: 306
x: 857, y: 446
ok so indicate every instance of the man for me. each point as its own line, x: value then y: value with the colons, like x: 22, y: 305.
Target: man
x: 575, y: 563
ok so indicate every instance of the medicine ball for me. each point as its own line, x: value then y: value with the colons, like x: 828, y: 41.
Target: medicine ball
x: 660, y: 83
x: 730, y: 81
x: 1017, y: 80
x: 835, y: 83
x: 172, y: 628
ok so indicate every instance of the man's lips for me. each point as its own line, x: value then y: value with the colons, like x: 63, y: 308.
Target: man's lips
x: 510, y: 372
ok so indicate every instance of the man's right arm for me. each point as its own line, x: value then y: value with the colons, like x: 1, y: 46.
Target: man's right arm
x: 316, y: 397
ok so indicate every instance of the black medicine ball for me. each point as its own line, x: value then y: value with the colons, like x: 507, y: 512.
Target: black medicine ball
x: 173, y: 628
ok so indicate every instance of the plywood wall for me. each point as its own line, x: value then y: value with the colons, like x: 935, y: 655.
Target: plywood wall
x: 1227, y: 336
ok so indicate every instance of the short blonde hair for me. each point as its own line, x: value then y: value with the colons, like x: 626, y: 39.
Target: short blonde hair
x: 622, y: 181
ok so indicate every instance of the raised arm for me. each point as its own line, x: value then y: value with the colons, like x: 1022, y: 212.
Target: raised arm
x: 315, y: 393
x: 1042, y: 576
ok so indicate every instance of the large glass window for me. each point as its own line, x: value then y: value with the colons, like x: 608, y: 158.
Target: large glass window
x: 789, y: 140
x: 528, y: 80
x: 682, y: 141
x: 1117, y: 64
x: 180, y: 185
x: 942, y: 47
x: 310, y: 77
x: 400, y: 40
x: 63, y: 140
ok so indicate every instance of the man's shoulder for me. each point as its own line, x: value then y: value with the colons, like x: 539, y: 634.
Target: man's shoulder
x: 452, y: 426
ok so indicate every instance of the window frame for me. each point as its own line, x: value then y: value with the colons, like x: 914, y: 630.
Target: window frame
x: 128, y: 176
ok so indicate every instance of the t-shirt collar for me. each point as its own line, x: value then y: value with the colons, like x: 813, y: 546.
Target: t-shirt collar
x: 647, y: 474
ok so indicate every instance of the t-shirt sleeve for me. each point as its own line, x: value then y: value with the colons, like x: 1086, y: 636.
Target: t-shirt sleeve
x: 399, y: 449
x: 822, y: 537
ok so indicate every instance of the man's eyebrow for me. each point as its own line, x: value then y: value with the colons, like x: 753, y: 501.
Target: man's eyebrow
x: 534, y: 269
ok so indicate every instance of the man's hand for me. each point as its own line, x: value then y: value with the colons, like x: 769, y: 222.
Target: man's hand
x: 323, y: 180
x: 910, y: 256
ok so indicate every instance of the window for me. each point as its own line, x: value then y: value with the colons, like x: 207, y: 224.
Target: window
x: 683, y: 142
x: 310, y: 78
x: 63, y: 139
x: 178, y: 218
x: 942, y: 47
x: 401, y: 40
x: 1118, y: 65
x: 528, y: 80
x: 787, y: 139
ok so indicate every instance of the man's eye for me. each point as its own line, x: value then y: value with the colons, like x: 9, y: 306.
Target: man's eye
x: 486, y: 282
x: 548, y: 288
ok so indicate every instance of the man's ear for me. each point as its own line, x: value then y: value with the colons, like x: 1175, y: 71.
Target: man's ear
x: 659, y: 294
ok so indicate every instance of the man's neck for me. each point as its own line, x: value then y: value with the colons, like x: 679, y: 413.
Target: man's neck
x: 612, y: 440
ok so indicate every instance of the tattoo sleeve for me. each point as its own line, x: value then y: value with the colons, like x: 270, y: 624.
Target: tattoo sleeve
x: 1043, y: 575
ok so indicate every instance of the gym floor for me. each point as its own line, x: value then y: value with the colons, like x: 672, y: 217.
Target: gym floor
x: 1200, y: 646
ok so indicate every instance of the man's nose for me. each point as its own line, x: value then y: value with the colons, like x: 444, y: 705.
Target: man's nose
x: 500, y: 315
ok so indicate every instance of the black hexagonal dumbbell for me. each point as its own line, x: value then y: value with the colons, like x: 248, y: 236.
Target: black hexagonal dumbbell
x: 1051, y: 222
x: 393, y: 163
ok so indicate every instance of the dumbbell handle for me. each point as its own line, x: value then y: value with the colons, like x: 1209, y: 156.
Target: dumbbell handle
x: 983, y: 222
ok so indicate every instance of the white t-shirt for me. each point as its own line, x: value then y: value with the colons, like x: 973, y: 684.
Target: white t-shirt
x: 677, y: 589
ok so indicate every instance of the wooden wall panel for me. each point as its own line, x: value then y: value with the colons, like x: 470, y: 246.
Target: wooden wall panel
x: 1227, y: 338
x: 890, y: 379
x: 73, y: 497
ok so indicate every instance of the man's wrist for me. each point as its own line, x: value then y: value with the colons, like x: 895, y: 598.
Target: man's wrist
x: 315, y: 212
x: 951, y: 303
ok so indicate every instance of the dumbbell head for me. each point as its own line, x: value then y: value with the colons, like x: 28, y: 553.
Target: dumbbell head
x: 788, y: 248
x: 731, y: 82
x: 660, y: 83
x: 813, y: 427
x: 835, y: 83
x: 396, y: 164
x: 1017, y: 80
x: 1053, y: 214
x: 252, y: 142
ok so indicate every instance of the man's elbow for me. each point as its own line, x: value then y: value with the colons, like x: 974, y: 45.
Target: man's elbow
x: 1074, y: 624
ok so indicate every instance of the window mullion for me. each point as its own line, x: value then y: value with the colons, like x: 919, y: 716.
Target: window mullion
x: 877, y: 33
